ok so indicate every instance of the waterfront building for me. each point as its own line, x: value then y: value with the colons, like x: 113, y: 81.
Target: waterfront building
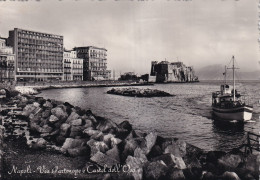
x: 172, y: 72
x: 72, y: 66
x: 39, y: 56
x: 94, y: 63
x: 7, y: 59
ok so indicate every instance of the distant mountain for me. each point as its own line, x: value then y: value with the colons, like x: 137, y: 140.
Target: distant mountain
x: 215, y: 72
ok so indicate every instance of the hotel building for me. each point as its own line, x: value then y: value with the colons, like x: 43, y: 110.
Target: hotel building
x: 94, y: 63
x: 7, y: 59
x: 72, y: 66
x: 39, y: 56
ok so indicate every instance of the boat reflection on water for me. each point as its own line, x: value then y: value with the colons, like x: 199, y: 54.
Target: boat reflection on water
x: 232, y: 126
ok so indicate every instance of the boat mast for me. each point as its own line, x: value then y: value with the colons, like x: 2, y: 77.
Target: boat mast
x: 234, y: 85
x: 225, y: 75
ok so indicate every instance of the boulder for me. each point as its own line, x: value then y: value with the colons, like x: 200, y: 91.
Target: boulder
x: 134, y: 167
x: 91, y: 132
x: 97, y: 146
x: 72, y: 117
x: 106, y: 126
x: 107, y: 139
x: 115, y: 141
x: 177, y: 148
x: 88, y: 123
x: 208, y: 176
x: 125, y: 125
x: 76, y: 131
x: 229, y: 161
x: 213, y: 156
x: 175, y: 174
x: 40, y: 143
x: 46, y: 113
x: 104, y: 160
x: 92, y: 118
x: 155, y: 151
x: 229, y: 176
x: 139, y: 153
x: 59, y: 113
x: 155, y: 170
x: 98, y: 136
x: 76, y: 122
x: 114, y: 153
x: 150, y: 141
x: 72, y: 143
x: 252, y: 163
x: 171, y: 160
x: 53, y: 119
x: 64, y: 129
x: 28, y: 109
x: 46, y: 129
x: 48, y: 104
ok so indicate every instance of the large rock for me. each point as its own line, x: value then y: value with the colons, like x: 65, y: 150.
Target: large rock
x: 150, y: 141
x: 175, y: 174
x: 46, y: 113
x: 106, y: 126
x: 76, y: 131
x: 229, y: 176
x: 88, y: 123
x: 125, y: 125
x: 171, y: 160
x: 139, y: 153
x: 229, y: 161
x: 252, y: 163
x: 115, y: 141
x: 39, y: 144
x: 72, y: 117
x: 28, y: 109
x: 107, y: 139
x: 155, y: 170
x: 71, y: 143
x: 177, y: 148
x: 46, y: 129
x: 59, y: 113
x: 97, y: 146
x: 114, y: 153
x: 64, y: 129
x: 53, y: 119
x: 76, y: 122
x: 48, y: 104
x: 131, y: 145
x: 135, y: 167
x: 104, y: 160
x: 91, y: 132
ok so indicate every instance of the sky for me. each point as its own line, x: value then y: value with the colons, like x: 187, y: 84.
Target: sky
x: 135, y: 32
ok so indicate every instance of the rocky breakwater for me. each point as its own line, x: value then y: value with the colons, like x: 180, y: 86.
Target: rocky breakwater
x: 117, y: 150
x: 136, y: 92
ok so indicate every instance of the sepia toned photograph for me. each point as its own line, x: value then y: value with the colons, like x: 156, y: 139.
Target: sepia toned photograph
x: 130, y: 89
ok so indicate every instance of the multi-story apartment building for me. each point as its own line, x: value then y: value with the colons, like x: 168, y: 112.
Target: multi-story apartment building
x: 72, y: 66
x: 39, y: 56
x: 94, y: 63
x: 7, y: 59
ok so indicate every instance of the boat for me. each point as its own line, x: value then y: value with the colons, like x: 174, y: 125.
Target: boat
x: 229, y: 105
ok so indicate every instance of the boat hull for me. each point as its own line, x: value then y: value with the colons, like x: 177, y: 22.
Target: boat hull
x: 243, y: 113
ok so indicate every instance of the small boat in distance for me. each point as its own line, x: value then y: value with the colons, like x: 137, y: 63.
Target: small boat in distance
x: 227, y: 104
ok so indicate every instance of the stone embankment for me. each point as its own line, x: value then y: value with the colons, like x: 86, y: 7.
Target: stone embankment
x: 136, y: 92
x: 117, y: 150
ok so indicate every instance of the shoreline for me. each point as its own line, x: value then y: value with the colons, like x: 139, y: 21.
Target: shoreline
x: 65, y: 128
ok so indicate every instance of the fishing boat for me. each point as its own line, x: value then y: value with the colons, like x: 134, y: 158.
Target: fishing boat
x: 228, y: 105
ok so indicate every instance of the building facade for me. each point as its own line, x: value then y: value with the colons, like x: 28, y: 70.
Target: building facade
x: 39, y: 56
x: 72, y: 66
x: 94, y: 63
x: 7, y: 60
x: 165, y: 71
